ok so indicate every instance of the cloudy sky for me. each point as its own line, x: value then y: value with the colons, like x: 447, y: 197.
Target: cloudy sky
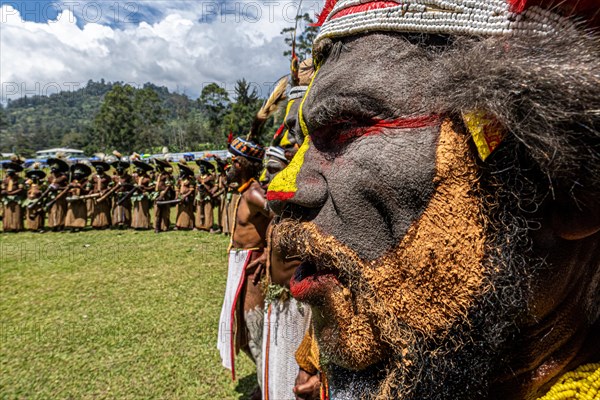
x: 50, y: 45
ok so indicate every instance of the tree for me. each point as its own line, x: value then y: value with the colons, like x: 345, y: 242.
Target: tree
x: 3, y: 118
x: 214, y: 101
x: 243, y: 94
x: 239, y: 119
x: 306, y: 34
x: 115, y: 123
x: 149, y: 118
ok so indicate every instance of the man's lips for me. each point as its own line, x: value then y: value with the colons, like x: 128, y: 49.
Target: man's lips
x: 308, y: 284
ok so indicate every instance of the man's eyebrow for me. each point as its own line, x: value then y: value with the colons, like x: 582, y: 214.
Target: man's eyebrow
x: 338, y: 108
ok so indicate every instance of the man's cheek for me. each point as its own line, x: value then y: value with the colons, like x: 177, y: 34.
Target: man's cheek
x: 432, y: 278
x: 377, y: 187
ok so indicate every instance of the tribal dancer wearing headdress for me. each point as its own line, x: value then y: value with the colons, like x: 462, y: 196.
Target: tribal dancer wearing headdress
x: 219, y: 196
x: 121, y: 211
x: 58, y: 183
x: 242, y: 312
x: 101, y: 185
x: 163, y: 192
x: 445, y: 199
x: 76, y: 208
x: 286, y: 319
x: 205, y: 185
x: 141, y: 197
x: 185, y: 194
x: 34, y: 215
x: 13, y: 194
x: 241, y: 316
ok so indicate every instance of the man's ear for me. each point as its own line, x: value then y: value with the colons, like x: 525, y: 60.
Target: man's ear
x: 576, y: 221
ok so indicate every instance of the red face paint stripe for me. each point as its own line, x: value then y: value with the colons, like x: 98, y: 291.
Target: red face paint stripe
x: 375, y: 5
x: 400, y: 123
x: 280, y: 195
x: 279, y: 131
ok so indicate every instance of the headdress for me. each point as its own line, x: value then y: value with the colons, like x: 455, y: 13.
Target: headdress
x: 81, y: 169
x: 277, y: 152
x: 162, y: 165
x: 475, y: 17
x: 35, y: 173
x: 221, y: 164
x: 102, y: 164
x: 17, y: 159
x: 120, y: 164
x: 142, y: 165
x: 247, y: 149
x: 57, y: 163
x: 12, y: 166
x: 184, y: 168
x: 206, y: 164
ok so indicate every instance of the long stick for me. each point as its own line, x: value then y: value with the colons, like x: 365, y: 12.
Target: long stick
x: 127, y: 195
x: 84, y: 197
x: 107, y: 194
x: 58, y: 197
x: 39, y: 199
x: 167, y: 202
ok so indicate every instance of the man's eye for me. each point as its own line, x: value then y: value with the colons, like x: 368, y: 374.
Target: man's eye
x: 339, y: 133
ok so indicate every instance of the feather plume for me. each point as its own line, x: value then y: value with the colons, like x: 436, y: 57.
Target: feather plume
x: 327, y: 8
x: 268, y: 108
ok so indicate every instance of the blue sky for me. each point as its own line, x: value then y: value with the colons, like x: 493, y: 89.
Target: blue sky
x: 50, y: 45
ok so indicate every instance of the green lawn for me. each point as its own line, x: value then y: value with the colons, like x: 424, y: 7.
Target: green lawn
x: 114, y: 314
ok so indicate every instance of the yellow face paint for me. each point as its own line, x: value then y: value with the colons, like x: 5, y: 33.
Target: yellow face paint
x: 284, y: 185
x: 485, y: 130
x: 263, y: 175
x: 285, y: 139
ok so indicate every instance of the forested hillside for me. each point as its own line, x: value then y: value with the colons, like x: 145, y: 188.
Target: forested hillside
x: 104, y: 116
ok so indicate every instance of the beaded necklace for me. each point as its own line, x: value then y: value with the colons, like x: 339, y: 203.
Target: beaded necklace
x: 582, y: 383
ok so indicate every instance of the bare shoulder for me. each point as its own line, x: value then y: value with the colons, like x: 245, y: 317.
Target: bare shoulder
x: 255, y: 195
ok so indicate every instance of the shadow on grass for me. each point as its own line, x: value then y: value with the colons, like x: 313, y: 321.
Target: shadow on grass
x: 246, y: 386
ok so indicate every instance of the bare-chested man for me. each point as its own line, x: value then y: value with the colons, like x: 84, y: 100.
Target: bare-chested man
x: 242, y: 317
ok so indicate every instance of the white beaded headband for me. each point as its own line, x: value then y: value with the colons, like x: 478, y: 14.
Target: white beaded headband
x: 276, y: 152
x: 296, y: 92
x: 471, y: 17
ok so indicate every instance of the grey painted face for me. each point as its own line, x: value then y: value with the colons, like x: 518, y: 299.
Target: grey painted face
x: 368, y: 189
x: 273, y: 167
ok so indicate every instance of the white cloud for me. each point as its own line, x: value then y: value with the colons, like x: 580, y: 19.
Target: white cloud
x: 178, y: 50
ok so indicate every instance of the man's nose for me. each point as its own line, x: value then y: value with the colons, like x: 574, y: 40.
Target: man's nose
x: 301, y: 185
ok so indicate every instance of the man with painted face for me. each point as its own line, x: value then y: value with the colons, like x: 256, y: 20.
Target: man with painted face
x: 286, y: 320
x: 205, y: 184
x: 35, y: 216
x: 76, y: 217
x: 241, y: 316
x: 163, y: 195
x: 58, y: 182
x: 101, y: 185
x: 141, y: 197
x: 445, y: 200
x: 121, y: 210
x: 185, y: 191
x: 13, y: 193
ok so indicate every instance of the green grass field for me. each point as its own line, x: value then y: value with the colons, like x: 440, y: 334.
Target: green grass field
x: 114, y: 315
